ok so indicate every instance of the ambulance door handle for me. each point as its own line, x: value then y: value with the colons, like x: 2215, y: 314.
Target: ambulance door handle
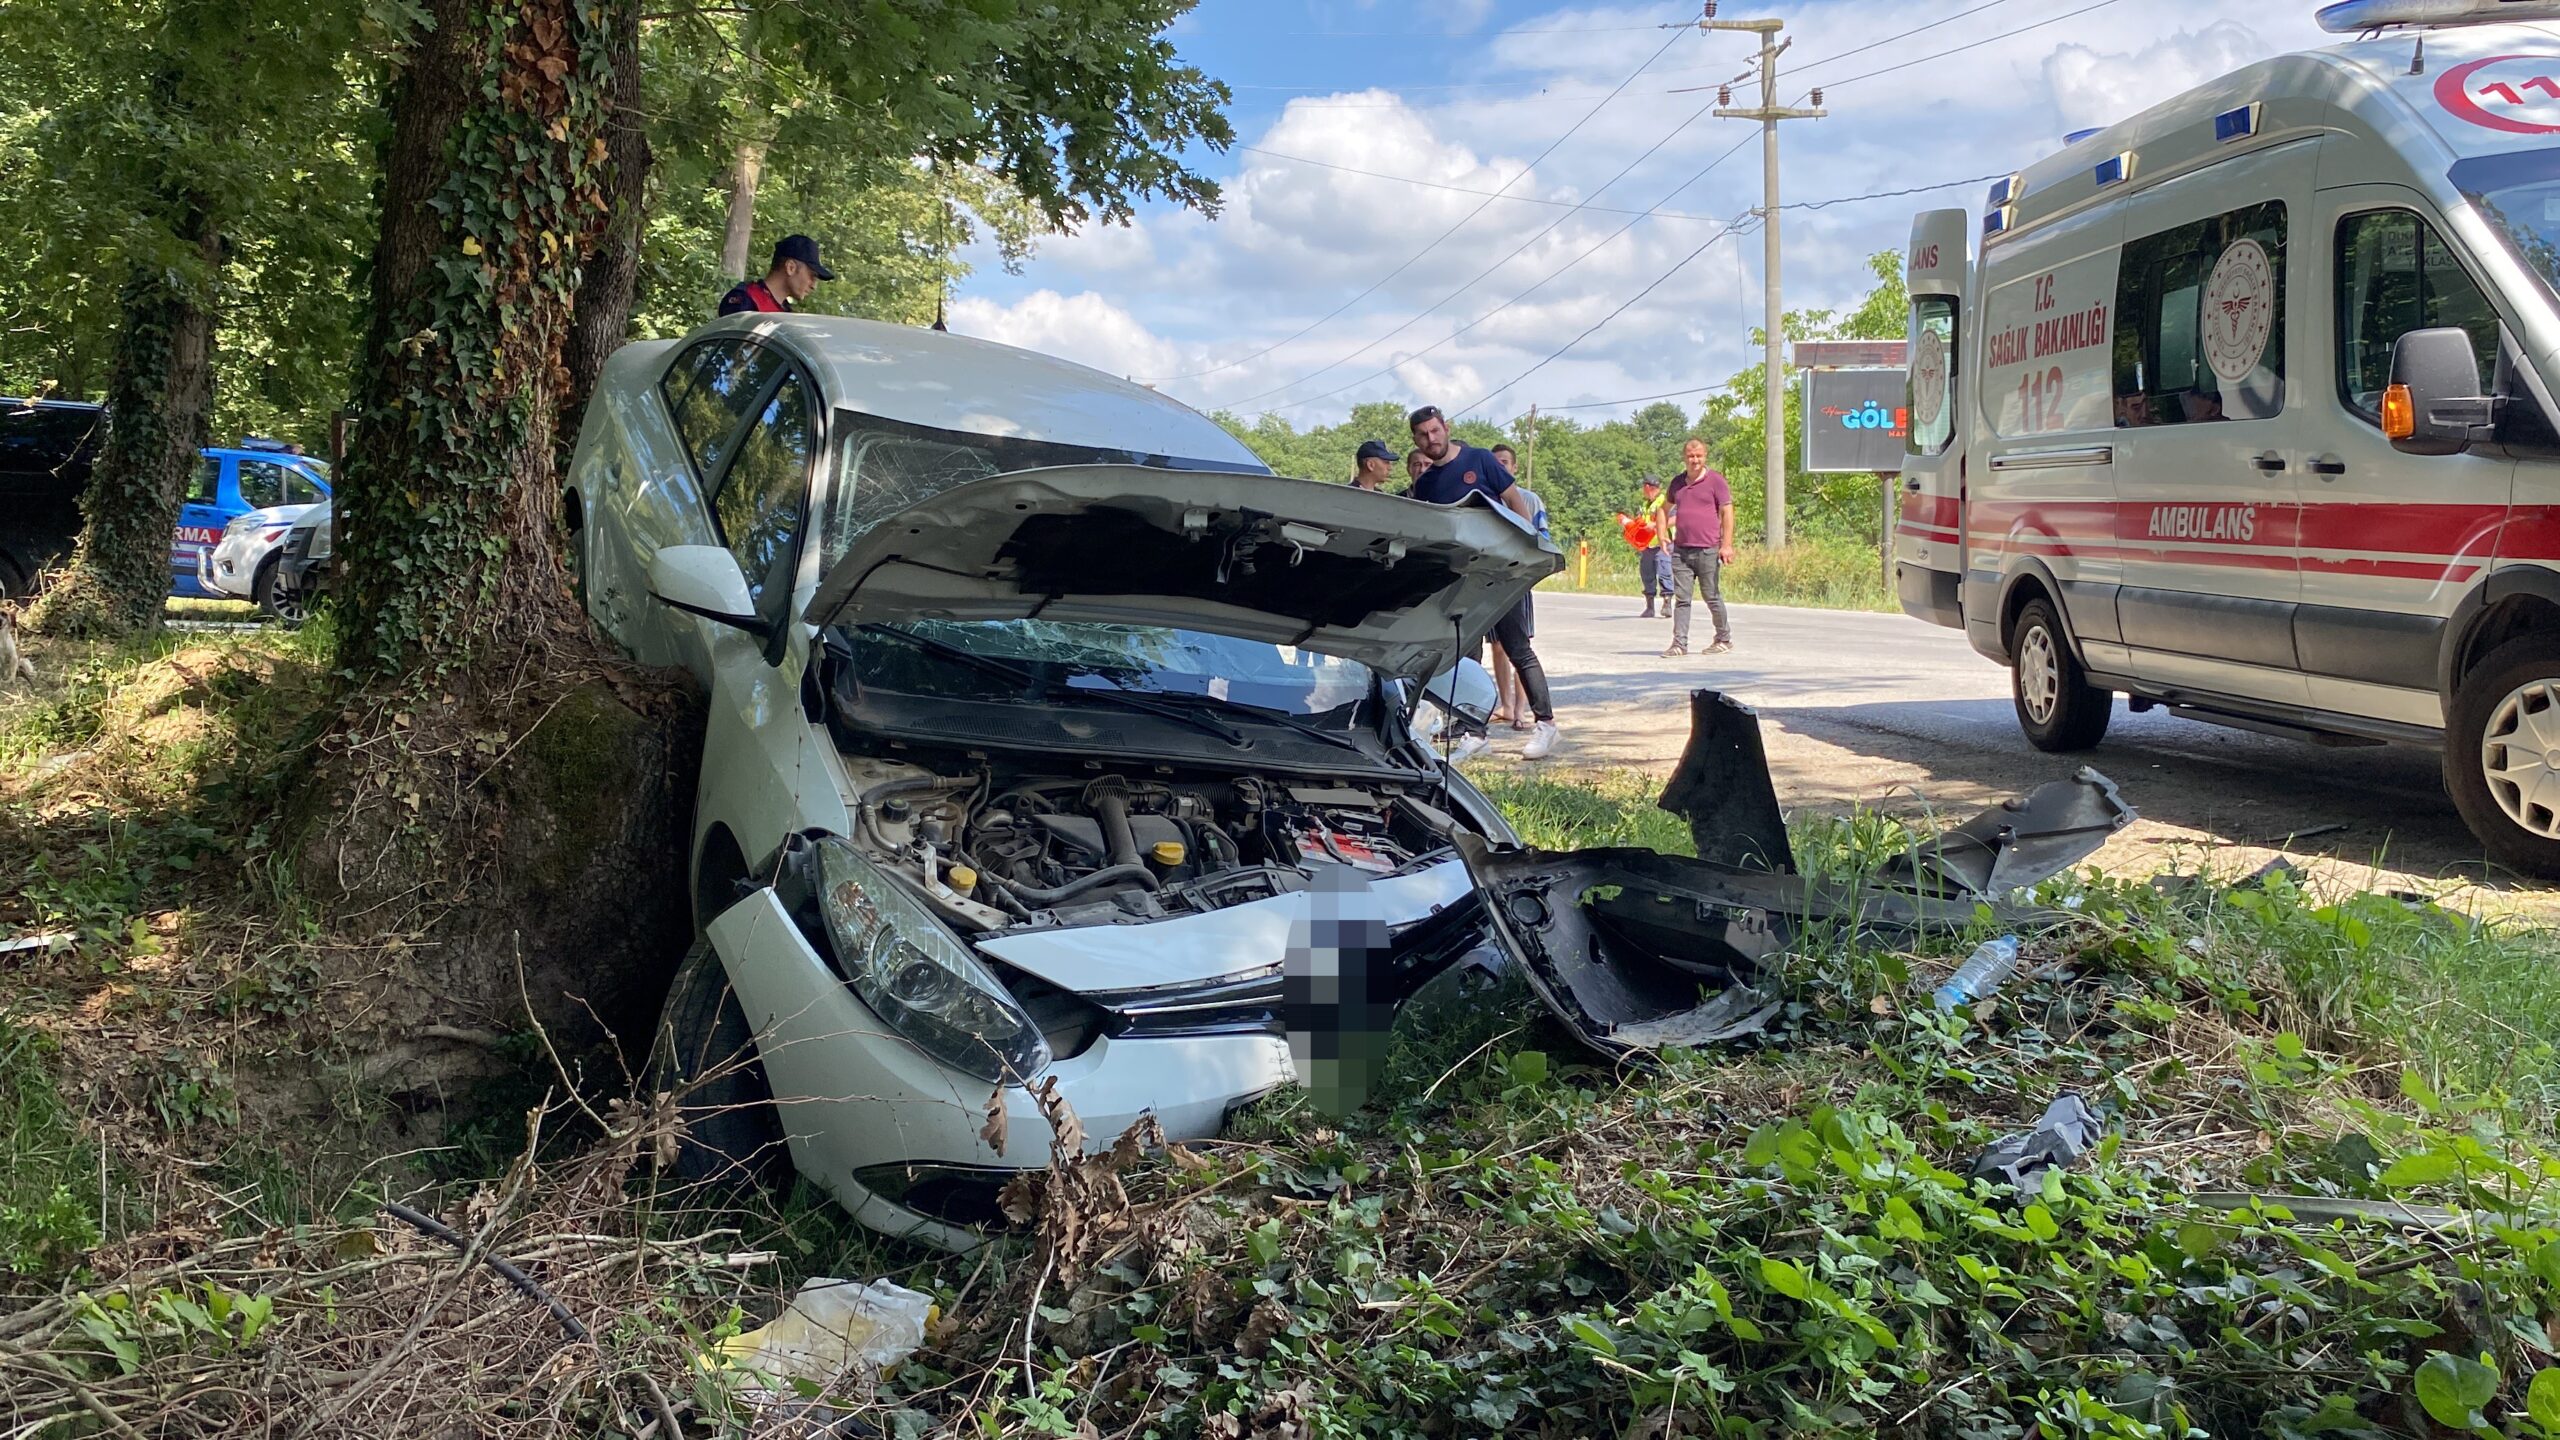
x: 1912, y: 484
x: 2271, y: 462
x: 2328, y: 467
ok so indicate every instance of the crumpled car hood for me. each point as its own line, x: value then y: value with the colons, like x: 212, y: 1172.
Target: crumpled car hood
x: 1395, y: 584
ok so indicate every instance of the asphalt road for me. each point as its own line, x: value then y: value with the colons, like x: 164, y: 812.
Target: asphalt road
x: 1890, y: 712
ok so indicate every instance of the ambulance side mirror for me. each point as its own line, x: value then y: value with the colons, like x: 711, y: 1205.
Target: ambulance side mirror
x: 2434, y: 404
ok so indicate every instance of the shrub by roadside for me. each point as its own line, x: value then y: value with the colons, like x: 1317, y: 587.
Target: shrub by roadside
x: 1821, y: 574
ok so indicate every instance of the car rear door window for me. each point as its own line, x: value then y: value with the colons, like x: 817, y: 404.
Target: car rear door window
x: 261, y: 484
x: 45, y: 439
x: 709, y: 392
x: 2199, y: 323
x: 2395, y: 275
x: 299, y: 489
x: 764, y: 495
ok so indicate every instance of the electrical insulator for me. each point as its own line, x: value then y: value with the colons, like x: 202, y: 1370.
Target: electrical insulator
x: 1817, y: 97
x: 1711, y: 9
x: 1724, y: 95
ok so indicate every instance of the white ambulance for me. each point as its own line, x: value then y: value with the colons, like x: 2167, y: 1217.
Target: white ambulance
x: 2244, y: 407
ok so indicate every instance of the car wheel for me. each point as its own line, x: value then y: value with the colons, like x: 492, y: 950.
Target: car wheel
x: 2057, y: 706
x: 2502, y: 754
x: 705, y: 1054
x: 279, y: 596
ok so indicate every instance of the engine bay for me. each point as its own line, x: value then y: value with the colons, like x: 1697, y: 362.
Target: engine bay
x: 996, y: 847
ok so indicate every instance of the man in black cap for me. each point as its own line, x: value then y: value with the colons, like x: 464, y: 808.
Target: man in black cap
x: 1374, y: 462
x: 796, y: 271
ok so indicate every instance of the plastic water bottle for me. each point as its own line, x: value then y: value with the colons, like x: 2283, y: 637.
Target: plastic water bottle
x: 1981, y: 973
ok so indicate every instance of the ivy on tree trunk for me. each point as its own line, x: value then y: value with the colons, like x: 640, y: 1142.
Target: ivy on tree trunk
x: 493, y: 194
x: 159, y: 406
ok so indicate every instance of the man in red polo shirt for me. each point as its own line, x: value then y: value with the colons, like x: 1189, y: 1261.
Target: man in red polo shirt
x: 795, y: 273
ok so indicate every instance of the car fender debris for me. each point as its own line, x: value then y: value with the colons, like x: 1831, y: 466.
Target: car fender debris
x: 1638, y: 951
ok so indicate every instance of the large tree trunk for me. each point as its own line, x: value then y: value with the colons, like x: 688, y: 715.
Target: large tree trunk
x: 497, y: 782
x: 160, y: 398
x: 611, y: 280
x: 736, y: 246
x: 493, y: 189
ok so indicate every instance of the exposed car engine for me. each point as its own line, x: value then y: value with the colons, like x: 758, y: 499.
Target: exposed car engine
x: 997, y: 849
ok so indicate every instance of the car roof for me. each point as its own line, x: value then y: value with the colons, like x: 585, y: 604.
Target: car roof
x: 980, y: 387
x: 281, y: 457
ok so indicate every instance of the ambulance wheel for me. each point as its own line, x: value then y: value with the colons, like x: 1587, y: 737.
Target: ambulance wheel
x: 2502, y: 754
x: 706, y: 1056
x: 2057, y: 706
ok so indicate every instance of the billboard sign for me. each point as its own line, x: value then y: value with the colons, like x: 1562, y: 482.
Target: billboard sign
x: 1855, y: 421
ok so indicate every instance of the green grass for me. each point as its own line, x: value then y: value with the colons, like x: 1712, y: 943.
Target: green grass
x: 1818, y: 574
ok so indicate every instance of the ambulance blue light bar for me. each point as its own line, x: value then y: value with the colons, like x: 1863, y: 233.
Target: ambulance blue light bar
x: 2114, y: 169
x: 2237, y: 124
x: 2004, y: 191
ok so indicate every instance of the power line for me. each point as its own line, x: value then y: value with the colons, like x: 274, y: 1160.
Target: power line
x: 1603, y: 243
x: 1464, y: 221
x: 1622, y: 309
x: 1469, y: 190
x: 1639, y: 399
x: 1463, y: 34
x: 1974, y: 45
x: 1480, y: 275
x: 1889, y: 39
x: 1559, y: 351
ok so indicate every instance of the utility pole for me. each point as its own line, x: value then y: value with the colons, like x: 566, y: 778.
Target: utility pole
x: 1529, y: 454
x: 1769, y: 112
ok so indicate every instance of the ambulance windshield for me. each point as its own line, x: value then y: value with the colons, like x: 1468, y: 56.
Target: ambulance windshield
x: 2519, y: 192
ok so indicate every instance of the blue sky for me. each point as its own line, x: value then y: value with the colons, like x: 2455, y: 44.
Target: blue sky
x: 1448, y: 295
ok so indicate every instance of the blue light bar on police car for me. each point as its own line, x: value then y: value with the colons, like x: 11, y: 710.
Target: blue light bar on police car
x: 2237, y: 124
x: 2114, y: 169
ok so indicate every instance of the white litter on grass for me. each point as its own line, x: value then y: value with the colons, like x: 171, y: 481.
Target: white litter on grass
x: 45, y: 944
x: 833, y: 1327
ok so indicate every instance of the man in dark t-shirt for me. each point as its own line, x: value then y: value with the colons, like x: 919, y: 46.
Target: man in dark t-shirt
x: 1456, y: 472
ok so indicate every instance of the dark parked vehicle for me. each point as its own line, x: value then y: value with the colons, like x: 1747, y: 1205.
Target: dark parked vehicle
x: 46, y: 447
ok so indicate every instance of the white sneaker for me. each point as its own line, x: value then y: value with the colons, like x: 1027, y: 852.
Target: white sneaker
x: 1469, y: 747
x: 1542, y: 743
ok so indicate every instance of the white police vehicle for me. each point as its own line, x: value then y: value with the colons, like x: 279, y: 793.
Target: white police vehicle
x: 2244, y: 407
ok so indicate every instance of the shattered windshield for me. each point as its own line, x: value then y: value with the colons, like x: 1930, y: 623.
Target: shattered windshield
x: 1139, y: 659
x: 2519, y: 193
x: 884, y: 466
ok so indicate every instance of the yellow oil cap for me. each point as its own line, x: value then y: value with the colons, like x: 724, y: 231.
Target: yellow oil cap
x: 1168, y: 852
x: 963, y: 879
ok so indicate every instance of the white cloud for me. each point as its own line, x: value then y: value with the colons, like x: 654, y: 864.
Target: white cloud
x: 1086, y: 328
x: 2092, y: 88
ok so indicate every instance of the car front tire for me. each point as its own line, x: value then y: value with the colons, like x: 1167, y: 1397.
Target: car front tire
x: 706, y: 1055
x: 280, y: 597
x: 2057, y: 706
x: 2502, y: 754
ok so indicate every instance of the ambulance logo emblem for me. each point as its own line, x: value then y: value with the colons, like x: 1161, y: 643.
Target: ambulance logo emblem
x: 2239, y: 310
x: 1928, y: 379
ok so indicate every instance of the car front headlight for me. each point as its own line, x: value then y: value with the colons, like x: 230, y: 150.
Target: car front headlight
x: 243, y: 524
x: 919, y: 977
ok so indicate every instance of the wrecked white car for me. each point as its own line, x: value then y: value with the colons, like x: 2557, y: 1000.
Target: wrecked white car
x: 1042, y: 720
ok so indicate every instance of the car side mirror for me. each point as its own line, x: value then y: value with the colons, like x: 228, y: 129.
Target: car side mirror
x: 704, y: 580
x: 2434, y: 404
x: 1466, y: 692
